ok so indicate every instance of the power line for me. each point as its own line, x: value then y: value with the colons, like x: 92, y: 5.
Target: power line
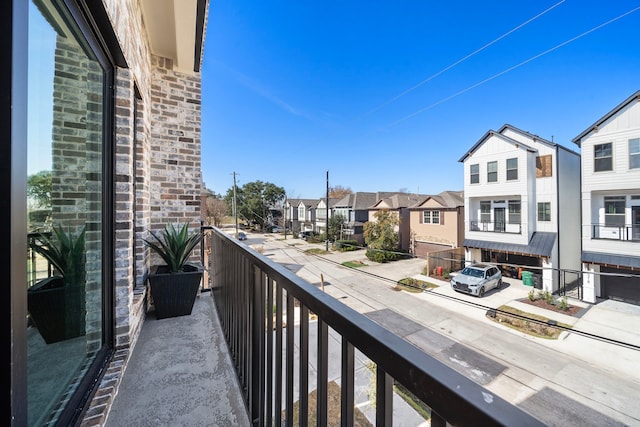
x: 513, y: 67
x: 461, y: 60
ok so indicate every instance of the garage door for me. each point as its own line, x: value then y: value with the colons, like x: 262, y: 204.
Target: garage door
x: 618, y: 288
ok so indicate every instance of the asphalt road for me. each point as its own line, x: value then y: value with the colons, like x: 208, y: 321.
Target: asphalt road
x: 535, y: 374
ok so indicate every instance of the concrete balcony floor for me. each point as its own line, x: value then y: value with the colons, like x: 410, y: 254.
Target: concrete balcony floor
x: 180, y: 374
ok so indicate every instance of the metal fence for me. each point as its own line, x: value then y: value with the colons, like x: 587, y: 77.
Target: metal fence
x: 257, y: 300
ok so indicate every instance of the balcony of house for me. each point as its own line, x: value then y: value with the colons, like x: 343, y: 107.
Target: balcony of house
x: 293, y: 350
x: 495, y: 227
x: 624, y: 232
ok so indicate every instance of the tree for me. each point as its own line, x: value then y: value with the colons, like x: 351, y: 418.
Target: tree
x: 338, y: 192
x: 39, y: 187
x: 336, y: 224
x: 215, y: 210
x: 254, y: 201
x: 381, y: 237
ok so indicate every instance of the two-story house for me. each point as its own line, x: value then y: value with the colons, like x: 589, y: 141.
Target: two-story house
x: 321, y: 211
x: 399, y: 205
x: 307, y: 214
x: 520, y: 190
x: 354, y: 208
x: 437, y: 223
x: 611, y: 204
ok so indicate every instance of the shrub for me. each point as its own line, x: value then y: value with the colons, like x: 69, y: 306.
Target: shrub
x: 563, y: 304
x: 532, y: 295
x: 378, y: 255
x: 346, y: 245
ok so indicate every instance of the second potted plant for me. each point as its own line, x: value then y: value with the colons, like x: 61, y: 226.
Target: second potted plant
x: 174, y: 284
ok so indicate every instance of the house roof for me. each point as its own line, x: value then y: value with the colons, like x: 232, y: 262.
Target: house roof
x: 446, y: 199
x: 398, y: 201
x: 540, y: 244
x: 594, y: 127
x: 498, y: 134
x: 611, y: 259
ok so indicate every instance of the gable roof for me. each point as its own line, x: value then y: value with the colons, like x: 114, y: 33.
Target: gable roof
x: 594, y: 127
x: 399, y: 200
x: 498, y: 134
x: 446, y: 199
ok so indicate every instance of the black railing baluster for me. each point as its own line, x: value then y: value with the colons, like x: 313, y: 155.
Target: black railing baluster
x: 437, y: 420
x: 278, y: 357
x: 290, y: 355
x: 384, y: 398
x: 304, y: 366
x: 323, y: 373
x: 347, y: 384
x: 269, y: 356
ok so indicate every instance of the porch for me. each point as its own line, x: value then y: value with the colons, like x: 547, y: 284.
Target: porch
x: 232, y: 361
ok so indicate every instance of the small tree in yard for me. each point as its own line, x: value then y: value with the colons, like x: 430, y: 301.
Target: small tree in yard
x: 336, y: 224
x: 216, y: 209
x: 381, y: 237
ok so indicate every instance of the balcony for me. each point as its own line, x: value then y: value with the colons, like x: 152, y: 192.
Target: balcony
x: 617, y: 232
x: 295, y: 350
x: 496, y: 227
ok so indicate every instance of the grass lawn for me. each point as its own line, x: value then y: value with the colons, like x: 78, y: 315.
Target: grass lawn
x: 410, y: 284
x: 354, y: 264
x: 316, y: 251
x: 531, y: 324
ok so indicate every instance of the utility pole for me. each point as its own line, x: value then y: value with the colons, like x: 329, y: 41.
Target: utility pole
x: 327, y: 219
x: 235, y: 204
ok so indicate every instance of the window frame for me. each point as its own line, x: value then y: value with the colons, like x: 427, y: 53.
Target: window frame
x: 510, y: 170
x: 603, y: 154
x: 544, y: 214
x: 490, y: 173
x: 474, y: 176
x: 619, y: 205
x: 487, y: 212
x: 511, y: 203
x: 634, y: 155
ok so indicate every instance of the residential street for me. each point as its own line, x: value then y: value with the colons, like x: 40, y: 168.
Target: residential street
x: 575, y: 380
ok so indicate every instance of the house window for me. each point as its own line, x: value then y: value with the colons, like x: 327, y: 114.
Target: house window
x: 602, y: 157
x: 544, y: 167
x: 485, y: 211
x: 514, y: 211
x: 492, y: 172
x: 301, y: 213
x: 634, y: 153
x: 475, y: 174
x: 431, y: 217
x: 614, y: 211
x: 512, y: 169
x: 70, y: 93
x: 544, y: 211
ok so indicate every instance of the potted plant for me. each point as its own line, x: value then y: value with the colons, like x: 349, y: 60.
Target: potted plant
x: 57, y: 305
x: 174, y: 284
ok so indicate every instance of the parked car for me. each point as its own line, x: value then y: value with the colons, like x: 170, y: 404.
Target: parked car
x: 242, y: 236
x: 276, y: 229
x: 476, y: 279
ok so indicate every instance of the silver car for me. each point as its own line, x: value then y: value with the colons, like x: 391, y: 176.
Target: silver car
x: 476, y: 279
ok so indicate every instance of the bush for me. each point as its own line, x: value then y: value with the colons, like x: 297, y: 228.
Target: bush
x: 346, y: 245
x: 377, y: 255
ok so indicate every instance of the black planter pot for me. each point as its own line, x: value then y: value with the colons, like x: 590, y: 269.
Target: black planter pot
x: 174, y: 294
x: 57, y: 309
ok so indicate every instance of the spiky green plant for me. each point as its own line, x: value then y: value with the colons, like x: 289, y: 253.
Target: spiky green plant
x: 64, y: 252
x: 174, y: 245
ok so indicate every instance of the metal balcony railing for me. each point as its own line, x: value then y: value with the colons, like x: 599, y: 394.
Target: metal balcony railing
x: 496, y: 227
x: 253, y: 294
x: 616, y: 232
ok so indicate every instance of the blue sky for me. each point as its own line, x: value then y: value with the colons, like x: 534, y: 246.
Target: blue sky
x: 389, y: 95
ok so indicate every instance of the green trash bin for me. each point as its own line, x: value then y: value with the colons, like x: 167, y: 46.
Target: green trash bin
x: 527, y: 278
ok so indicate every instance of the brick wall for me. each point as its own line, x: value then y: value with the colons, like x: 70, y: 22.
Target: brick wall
x: 157, y: 176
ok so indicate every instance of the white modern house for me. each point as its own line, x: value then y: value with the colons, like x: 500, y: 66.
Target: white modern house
x: 520, y: 190
x: 611, y: 204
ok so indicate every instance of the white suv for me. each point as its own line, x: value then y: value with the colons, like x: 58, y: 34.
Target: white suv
x: 476, y: 279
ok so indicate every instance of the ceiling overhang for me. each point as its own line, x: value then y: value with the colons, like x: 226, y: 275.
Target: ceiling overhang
x: 176, y: 30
